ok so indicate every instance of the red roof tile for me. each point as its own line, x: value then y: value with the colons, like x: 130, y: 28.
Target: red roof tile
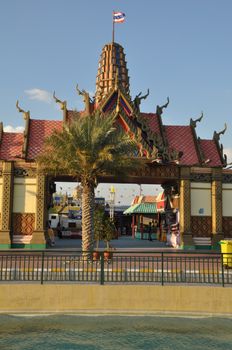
x: 11, y: 146
x: 135, y: 200
x: 149, y: 199
x: 39, y: 130
x: 181, y: 138
x: 152, y: 121
x: 210, y: 152
x: 144, y: 199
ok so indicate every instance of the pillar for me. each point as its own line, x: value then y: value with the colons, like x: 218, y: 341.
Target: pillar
x: 185, y: 209
x: 133, y: 226
x: 7, y: 202
x: 38, y: 237
x: 141, y: 226
x: 216, y: 193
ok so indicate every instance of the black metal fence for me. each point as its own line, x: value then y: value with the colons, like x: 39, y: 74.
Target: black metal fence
x: 156, y: 267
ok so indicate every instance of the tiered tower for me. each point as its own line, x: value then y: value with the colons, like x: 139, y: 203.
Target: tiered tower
x: 112, y: 66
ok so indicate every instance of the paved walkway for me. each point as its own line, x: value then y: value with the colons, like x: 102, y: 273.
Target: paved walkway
x: 122, y: 242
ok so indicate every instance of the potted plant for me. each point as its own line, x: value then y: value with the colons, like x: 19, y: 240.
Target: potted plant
x: 104, y: 229
x: 108, y: 235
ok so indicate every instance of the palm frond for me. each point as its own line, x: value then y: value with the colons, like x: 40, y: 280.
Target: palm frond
x: 88, y: 148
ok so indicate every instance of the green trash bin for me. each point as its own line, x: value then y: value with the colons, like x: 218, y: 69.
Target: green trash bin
x: 226, y: 249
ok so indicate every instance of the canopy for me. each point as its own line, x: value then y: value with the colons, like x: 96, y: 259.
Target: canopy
x: 141, y: 208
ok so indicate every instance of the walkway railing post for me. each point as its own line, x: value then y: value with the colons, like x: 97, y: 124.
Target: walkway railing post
x: 102, y: 280
x: 162, y: 268
x: 222, y: 267
x: 42, y: 268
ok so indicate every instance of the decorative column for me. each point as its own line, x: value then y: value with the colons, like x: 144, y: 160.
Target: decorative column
x: 38, y: 237
x: 185, y: 209
x: 7, y: 195
x: 216, y: 193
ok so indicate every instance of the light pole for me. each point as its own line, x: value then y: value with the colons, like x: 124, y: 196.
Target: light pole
x: 112, y: 202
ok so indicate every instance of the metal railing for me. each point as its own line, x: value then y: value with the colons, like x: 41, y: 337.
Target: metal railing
x: 130, y: 267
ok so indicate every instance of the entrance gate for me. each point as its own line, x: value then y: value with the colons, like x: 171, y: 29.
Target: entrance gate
x: 190, y: 167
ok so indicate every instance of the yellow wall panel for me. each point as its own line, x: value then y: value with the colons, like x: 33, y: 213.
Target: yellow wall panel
x: 23, y: 181
x: 24, y: 200
x: 200, y: 199
x: 227, y: 200
x: 201, y: 185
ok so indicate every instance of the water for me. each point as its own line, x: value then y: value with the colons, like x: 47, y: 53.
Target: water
x: 114, y: 332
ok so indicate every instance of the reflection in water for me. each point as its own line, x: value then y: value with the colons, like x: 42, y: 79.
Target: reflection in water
x: 114, y: 332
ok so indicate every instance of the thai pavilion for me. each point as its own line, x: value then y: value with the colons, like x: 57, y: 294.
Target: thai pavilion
x: 188, y: 167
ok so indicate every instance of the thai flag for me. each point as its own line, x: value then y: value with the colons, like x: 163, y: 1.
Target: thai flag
x: 118, y: 17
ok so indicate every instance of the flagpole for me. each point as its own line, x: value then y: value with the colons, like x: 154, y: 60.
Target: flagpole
x: 113, y: 28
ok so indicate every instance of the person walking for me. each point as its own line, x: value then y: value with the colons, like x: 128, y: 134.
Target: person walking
x: 51, y: 236
x: 59, y: 232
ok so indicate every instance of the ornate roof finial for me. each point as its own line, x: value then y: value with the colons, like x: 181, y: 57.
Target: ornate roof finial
x: 85, y: 95
x: 138, y: 98
x: 80, y: 92
x: 86, y: 99
x: 63, y: 104
x: 159, y: 109
x: 26, y: 115
x: 216, y: 135
x: 193, y: 123
x: 225, y: 160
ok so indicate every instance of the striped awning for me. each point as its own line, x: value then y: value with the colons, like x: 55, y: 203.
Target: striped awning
x: 141, y: 208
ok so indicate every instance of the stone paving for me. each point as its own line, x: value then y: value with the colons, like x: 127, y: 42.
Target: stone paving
x: 122, y: 242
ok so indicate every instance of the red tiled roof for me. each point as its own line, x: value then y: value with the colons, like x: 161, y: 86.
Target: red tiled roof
x: 11, y: 145
x: 136, y: 200
x: 149, y: 199
x: 181, y: 138
x: 39, y: 130
x: 152, y: 121
x: 144, y: 199
x: 210, y: 152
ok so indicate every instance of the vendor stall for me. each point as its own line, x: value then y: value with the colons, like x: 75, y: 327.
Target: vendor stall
x: 144, y: 220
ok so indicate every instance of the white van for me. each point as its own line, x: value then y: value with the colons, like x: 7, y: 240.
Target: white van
x: 54, y: 220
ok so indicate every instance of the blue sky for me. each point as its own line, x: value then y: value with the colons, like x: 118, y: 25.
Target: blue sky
x: 177, y: 48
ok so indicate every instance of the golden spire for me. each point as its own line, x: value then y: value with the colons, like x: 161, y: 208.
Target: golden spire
x: 112, y: 69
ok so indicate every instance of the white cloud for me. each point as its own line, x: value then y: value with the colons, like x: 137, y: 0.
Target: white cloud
x: 9, y: 128
x: 39, y: 95
x: 228, y: 152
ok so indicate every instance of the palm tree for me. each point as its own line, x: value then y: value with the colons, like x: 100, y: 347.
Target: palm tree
x: 86, y: 149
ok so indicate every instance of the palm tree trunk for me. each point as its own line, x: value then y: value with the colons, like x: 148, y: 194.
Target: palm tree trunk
x: 87, y: 219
